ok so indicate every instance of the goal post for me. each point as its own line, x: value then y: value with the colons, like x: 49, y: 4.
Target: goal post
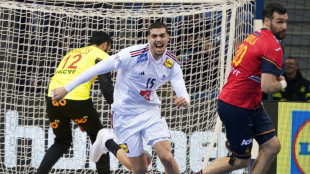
x: 35, y: 35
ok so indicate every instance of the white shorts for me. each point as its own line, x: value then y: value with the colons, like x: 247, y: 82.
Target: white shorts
x: 130, y: 129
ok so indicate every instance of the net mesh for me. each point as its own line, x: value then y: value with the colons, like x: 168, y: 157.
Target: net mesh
x: 35, y: 35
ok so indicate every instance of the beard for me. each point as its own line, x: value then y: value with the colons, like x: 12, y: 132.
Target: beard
x: 280, y: 35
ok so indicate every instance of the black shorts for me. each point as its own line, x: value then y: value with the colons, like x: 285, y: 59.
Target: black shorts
x: 242, y: 125
x: 82, y: 112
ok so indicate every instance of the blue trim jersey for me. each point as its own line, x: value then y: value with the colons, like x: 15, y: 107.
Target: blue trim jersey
x: 139, y: 75
x: 259, y: 53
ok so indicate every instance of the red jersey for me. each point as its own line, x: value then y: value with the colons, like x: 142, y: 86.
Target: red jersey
x: 259, y: 53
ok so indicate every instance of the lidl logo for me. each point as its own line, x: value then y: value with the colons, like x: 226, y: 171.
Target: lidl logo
x: 300, y: 156
x: 168, y: 63
x: 125, y: 147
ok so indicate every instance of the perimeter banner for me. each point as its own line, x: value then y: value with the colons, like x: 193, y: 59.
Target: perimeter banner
x: 294, y: 135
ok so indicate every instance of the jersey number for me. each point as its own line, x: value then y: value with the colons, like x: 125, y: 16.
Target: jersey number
x: 78, y: 57
x: 239, y: 54
x: 150, y: 83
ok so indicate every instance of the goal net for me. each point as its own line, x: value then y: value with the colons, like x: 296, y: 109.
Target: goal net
x: 35, y: 35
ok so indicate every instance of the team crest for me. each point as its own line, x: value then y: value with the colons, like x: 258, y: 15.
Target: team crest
x: 124, y: 147
x: 168, y: 63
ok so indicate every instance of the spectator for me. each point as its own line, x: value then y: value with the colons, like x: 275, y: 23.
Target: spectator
x: 199, y: 66
x: 297, y: 87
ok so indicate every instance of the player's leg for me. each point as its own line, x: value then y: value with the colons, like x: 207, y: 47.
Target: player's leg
x: 138, y: 164
x: 268, y: 142
x: 104, y: 143
x: 122, y: 157
x: 128, y: 131
x: 268, y: 152
x: 238, y: 123
x: 157, y: 134
x: 163, y: 150
x: 133, y: 146
x: 222, y: 165
x: 62, y: 130
x: 87, y: 118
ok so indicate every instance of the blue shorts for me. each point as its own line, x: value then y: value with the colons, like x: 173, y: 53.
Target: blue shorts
x: 242, y: 125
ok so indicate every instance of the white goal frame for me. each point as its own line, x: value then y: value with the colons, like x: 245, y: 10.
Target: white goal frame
x: 23, y: 111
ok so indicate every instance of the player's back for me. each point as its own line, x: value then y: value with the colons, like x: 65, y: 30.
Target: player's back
x: 243, y: 87
x: 72, y: 65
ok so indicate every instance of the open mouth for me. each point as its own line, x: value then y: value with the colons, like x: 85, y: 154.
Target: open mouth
x: 159, y: 45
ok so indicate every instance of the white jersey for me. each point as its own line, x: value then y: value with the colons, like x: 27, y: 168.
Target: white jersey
x: 139, y: 76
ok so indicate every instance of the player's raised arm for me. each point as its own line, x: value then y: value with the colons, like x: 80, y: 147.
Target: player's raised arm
x: 104, y: 66
x: 178, y: 84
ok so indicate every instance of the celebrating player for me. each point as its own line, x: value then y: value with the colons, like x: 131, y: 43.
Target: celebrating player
x: 256, y: 67
x: 78, y: 106
x: 142, y: 69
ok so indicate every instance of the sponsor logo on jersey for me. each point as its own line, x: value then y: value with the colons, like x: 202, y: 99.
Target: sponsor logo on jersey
x: 142, y: 73
x: 172, y: 56
x: 168, y: 63
x: 146, y: 94
x: 278, y: 49
x: 143, y: 57
x: 124, y: 147
x: 66, y: 71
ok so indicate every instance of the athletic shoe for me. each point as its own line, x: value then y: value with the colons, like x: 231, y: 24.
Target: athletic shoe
x: 98, y: 148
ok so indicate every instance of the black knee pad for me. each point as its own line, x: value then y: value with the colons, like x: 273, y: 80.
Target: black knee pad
x: 232, y: 159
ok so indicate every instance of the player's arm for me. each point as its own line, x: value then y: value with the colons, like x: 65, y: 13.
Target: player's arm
x: 104, y: 66
x: 178, y: 84
x: 106, y: 85
x: 271, y: 66
x: 271, y: 83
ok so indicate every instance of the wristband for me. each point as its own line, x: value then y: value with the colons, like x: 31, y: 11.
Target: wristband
x: 283, y: 84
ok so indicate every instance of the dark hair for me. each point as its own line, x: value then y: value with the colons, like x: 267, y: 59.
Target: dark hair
x: 158, y: 25
x: 291, y: 57
x: 100, y: 37
x: 271, y: 8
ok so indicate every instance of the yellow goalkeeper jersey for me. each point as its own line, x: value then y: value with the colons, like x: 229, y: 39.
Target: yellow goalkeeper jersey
x: 73, y: 64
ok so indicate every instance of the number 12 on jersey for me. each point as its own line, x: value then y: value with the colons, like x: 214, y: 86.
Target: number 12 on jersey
x: 76, y: 59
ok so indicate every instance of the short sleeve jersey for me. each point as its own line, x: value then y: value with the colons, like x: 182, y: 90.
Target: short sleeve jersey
x: 139, y: 75
x: 73, y: 64
x: 259, y: 53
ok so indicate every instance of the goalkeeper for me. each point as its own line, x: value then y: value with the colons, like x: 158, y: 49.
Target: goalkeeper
x: 78, y: 106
